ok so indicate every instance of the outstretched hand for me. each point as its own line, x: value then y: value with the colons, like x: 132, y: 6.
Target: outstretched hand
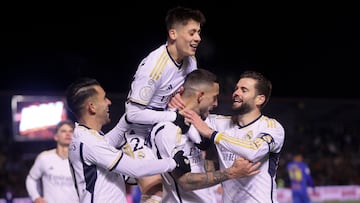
x: 243, y: 168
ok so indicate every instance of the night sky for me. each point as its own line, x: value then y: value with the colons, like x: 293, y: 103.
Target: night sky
x: 306, y: 50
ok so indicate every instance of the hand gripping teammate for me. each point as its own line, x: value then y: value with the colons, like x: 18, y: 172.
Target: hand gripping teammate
x: 200, y: 95
x: 249, y: 134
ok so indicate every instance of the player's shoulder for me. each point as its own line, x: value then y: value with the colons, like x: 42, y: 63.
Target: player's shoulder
x: 157, y: 63
x: 271, y: 126
x: 164, y: 127
x: 270, y: 122
x: 219, y: 122
x: 290, y: 165
x: 49, y: 151
x: 46, y: 153
x: 156, y: 54
x: 216, y: 118
x: 165, y: 132
x: 191, y: 59
x: 87, y: 135
x: 219, y: 117
x: 189, y: 64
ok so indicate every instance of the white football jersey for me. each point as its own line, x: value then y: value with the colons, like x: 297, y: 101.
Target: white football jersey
x: 260, y: 140
x: 99, y: 167
x: 53, y: 172
x: 158, y: 77
x: 166, y: 140
x: 156, y: 80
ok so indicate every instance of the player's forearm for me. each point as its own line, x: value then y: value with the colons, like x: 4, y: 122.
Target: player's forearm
x: 135, y: 168
x: 209, y: 165
x: 115, y: 136
x: 139, y: 114
x: 194, y: 181
x: 32, y: 187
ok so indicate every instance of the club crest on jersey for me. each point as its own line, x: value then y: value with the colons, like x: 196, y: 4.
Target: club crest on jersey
x: 145, y: 93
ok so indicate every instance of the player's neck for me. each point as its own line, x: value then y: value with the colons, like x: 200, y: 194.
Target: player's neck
x: 248, y: 117
x: 190, y: 104
x: 91, y: 122
x: 62, y: 151
x: 174, y: 54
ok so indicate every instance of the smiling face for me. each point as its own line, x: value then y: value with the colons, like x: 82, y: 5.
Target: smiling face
x: 188, y: 38
x: 184, y: 39
x: 100, y: 106
x: 244, y: 96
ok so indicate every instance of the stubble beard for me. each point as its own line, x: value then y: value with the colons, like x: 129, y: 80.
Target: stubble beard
x: 243, y: 109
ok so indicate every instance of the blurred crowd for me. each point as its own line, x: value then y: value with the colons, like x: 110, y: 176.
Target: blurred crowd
x: 333, y: 156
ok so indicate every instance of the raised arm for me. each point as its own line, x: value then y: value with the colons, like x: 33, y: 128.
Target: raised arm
x: 106, y: 156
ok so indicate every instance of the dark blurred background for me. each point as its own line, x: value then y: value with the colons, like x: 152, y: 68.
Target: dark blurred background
x: 307, y: 50
x: 310, y: 52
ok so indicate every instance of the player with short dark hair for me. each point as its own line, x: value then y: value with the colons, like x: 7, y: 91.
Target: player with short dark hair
x: 248, y: 134
x: 97, y: 166
x: 200, y: 94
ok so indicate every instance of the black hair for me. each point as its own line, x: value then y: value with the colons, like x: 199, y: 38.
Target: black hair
x: 183, y: 15
x: 78, y: 92
x: 263, y: 86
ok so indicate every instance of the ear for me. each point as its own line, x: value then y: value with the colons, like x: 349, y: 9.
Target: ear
x: 91, y: 107
x: 181, y: 90
x: 200, y: 96
x: 56, y: 137
x: 172, y: 34
x: 260, y: 99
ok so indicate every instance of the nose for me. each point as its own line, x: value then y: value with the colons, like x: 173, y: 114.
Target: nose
x: 109, y: 101
x: 215, y: 103
x: 198, y: 37
x: 234, y: 94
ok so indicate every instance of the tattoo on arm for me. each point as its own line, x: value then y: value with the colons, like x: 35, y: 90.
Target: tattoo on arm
x: 209, y: 166
x: 193, y: 181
